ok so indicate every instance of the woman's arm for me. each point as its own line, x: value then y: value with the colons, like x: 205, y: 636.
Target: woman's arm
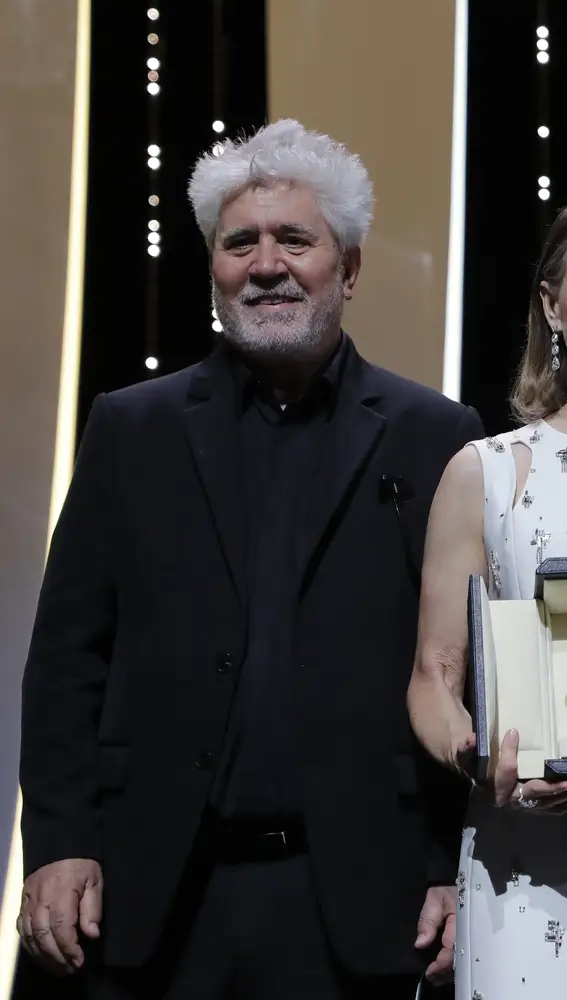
x: 454, y: 549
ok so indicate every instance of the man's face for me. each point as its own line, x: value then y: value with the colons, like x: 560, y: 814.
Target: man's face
x: 279, y: 278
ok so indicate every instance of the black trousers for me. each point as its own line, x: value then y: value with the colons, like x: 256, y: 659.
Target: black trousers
x: 256, y: 934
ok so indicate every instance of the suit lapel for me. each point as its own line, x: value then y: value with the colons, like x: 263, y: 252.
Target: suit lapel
x: 212, y: 429
x: 355, y: 430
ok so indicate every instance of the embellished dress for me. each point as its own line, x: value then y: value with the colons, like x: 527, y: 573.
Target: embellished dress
x: 512, y: 883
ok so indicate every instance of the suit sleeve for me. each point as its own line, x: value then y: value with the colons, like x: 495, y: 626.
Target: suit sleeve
x: 469, y: 428
x: 65, y: 674
x: 447, y: 793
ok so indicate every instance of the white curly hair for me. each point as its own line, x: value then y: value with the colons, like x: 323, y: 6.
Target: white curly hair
x: 285, y: 151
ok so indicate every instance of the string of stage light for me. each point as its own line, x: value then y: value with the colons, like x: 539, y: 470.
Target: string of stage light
x: 544, y: 132
x: 154, y: 163
x: 218, y: 97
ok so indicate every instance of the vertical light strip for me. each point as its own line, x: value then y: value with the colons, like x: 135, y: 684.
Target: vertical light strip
x: 455, y: 265
x: 64, y: 453
x: 73, y: 320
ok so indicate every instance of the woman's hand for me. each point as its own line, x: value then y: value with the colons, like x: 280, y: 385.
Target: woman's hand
x: 536, y: 796
x: 465, y: 754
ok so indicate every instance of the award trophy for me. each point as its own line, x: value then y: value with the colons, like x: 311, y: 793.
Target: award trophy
x: 517, y: 675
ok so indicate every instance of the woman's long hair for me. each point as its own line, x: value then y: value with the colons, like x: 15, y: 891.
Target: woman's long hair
x: 538, y: 390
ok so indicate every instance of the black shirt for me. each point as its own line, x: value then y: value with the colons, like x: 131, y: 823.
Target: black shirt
x: 259, y: 773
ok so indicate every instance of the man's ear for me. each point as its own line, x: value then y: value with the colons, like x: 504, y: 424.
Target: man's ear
x: 351, y: 264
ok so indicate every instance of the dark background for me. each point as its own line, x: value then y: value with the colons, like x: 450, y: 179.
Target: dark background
x: 213, y: 66
x: 510, y: 95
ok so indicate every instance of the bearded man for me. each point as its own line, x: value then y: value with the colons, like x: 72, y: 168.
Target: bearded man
x: 214, y: 716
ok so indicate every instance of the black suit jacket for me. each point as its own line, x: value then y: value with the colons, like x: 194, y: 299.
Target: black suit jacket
x: 141, y: 628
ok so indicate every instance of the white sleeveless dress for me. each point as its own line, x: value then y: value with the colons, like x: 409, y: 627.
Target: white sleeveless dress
x: 512, y: 883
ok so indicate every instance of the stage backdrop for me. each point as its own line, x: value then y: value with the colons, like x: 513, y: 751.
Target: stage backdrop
x: 379, y: 76
x: 43, y: 135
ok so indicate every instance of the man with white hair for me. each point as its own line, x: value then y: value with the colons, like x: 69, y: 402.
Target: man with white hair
x: 214, y: 711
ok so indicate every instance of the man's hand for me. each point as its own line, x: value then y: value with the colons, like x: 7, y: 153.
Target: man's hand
x: 58, y: 900
x: 439, y: 916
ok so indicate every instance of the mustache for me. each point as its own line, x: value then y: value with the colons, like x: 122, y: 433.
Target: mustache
x: 287, y: 292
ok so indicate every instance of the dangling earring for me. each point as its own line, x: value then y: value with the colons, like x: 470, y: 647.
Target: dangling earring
x: 555, y: 362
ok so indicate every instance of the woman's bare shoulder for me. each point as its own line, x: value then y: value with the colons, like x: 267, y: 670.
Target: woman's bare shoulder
x: 463, y: 479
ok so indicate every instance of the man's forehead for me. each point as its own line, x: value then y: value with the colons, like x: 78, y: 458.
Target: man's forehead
x: 280, y: 204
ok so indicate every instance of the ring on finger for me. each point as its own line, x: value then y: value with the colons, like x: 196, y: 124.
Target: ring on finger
x: 526, y: 803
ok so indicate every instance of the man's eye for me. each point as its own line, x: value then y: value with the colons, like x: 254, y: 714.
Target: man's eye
x: 295, y: 241
x: 243, y: 244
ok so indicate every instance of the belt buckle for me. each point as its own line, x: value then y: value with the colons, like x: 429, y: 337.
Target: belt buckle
x: 279, y: 835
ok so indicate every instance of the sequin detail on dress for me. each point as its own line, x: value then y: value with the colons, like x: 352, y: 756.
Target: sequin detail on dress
x: 554, y: 935
x: 496, y: 444
x: 495, y: 571
x: 541, y: 538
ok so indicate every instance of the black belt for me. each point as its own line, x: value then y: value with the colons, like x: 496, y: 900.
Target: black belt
x: 241, y: 842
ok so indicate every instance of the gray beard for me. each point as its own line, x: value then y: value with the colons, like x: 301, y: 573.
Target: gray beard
x: 282, y: 335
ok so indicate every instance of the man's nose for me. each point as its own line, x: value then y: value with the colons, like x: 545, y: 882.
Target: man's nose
x: 268, y: 260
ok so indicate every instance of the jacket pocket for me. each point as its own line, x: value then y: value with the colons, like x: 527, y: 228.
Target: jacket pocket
x: 113, y: 767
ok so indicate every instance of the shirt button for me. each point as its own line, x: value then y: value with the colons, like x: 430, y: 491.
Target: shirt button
x: 204, y: 760
x: 225, y: 663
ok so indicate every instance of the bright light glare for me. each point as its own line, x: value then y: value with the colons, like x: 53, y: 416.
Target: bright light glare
x: 218, y: 126
x: 153, y: 250
x: 153, y: 200
x: 153, y: 89
x: 153, y: 63
x: 543, y: 181
x: 153, y: 13
x: 543, y: 57
x: 217, y: 326
x: 154, y: 150
x: 154, y: 163
x: 542, y: 31
x: 154, y: 237
x: 544, y: 194
x: 153, y: 224
x: 543, y: 45
x: 543, y: 132
x: 152, y: 363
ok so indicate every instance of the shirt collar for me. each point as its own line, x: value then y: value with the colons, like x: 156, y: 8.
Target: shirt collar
x: 327, y: 378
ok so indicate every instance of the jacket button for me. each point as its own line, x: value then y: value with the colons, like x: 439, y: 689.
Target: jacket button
x: 225, y: 663
x: 204, y: 760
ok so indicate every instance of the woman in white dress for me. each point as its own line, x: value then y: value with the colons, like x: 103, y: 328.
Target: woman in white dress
x: 500, y: 508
